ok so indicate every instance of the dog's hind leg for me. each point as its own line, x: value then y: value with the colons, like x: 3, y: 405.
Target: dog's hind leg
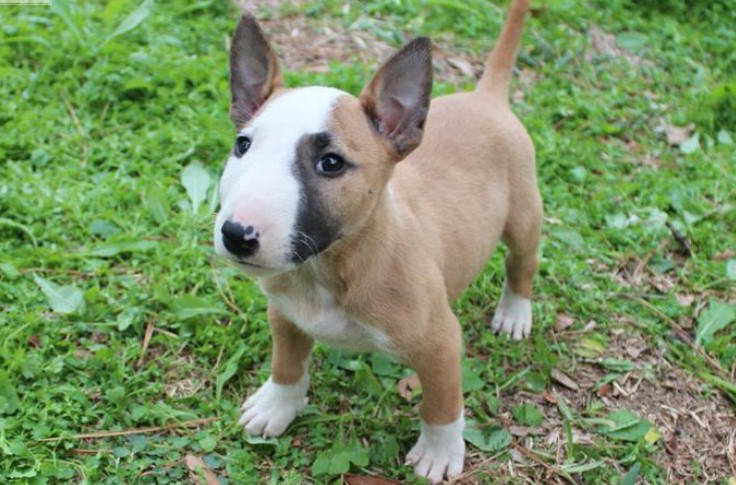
x: 521, y: 235
x: 274, y: 406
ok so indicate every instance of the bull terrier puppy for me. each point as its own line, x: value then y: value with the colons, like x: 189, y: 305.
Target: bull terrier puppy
x: 363, y: 218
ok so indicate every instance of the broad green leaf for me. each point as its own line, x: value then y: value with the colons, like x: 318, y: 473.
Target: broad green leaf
x: 591, y: 346
x: 633, y: 41
x: 498, y: 439
x: 62, y: 299
x: 365, y: 379
x: 208, y: 443
x: 358, y: 454
x: 690, y: 145
x: 471, y: 379
x: 259, y: 440
x: 155, y: 202
x: 527, y: 415
x: 339, y: 464
x: 103, y: 228
x: 113, y: 249
x: 8, y: 395
x: 631, y: 475
x: 121, y: 452
x: 196, y: 180
x: 570, y: 237
x: 128, y: 317
x: 336, y: 460
x: 724, y: 137
x: 383, y: 365
x: 190, y: 306
x: 617, y: 365
x: 716, y: 317
x: 321, y: 464
x: 490, y: 440
x: 10, y: 271
x: 112, y: 9
x: 626, y: 426
x: 229, y: 370
x: 133, y: 20
x: 731, y: 269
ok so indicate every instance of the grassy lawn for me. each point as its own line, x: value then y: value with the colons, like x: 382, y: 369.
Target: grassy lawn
x: 115, y: 317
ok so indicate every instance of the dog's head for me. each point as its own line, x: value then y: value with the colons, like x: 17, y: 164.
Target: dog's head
x: 309, y: 164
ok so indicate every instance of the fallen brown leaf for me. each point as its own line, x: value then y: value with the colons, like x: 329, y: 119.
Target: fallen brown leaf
x: 368, y: 480
x: 724, y: 255
x: 564, y: 379
x: 678, y: 134
x: 520, y: 431
x: 461, y: 65
x: 408, y: 385
x: 563, y: 321
x: 197, y: 466
x: 549, y: 397
x: 685, y: 300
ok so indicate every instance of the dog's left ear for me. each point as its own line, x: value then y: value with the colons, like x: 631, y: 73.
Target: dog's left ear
x: 397, y: 99
x: 254, y: 70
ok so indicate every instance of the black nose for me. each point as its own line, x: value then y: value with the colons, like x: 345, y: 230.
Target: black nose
x: 239, y: 240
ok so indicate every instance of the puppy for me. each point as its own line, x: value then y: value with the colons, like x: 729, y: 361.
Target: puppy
x: 363, y: 218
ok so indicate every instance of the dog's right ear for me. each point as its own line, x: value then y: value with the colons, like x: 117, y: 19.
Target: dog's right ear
x: 397, y: 99
x: 254, y: 70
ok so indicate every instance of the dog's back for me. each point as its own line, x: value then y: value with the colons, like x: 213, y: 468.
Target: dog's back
x: 474, y: 172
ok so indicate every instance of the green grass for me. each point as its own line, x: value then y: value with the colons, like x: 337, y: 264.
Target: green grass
x: 96, y: 129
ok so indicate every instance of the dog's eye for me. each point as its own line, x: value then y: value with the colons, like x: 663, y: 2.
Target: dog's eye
x: 330, y: 165
x: 242, y: 144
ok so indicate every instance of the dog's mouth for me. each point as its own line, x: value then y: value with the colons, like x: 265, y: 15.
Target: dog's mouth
x: 255, y: 269
x: 251, y: 265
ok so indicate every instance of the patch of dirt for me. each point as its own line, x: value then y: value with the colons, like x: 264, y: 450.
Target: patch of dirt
x: 182, y: 377
x: 697, y: 426
x: 310, y: 44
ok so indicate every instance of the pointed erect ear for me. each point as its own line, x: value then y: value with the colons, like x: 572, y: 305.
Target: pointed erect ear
x: 254, y: 70
x: 397, y: 99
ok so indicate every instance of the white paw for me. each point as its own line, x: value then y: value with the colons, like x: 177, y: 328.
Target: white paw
x: 273, y: 407
x: 439, y: 452
x: 513, y: 315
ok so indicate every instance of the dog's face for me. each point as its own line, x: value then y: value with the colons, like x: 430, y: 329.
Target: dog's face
x: 309, y: 164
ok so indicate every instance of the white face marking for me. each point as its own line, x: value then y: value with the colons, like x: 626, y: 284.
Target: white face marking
x: 260, y: 189
x: 274, y: 406
x: 440, y: 451
x: 513, y: 315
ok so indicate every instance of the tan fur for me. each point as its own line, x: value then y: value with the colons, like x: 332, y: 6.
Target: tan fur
x: 291, y: 348
x: 421, y: 230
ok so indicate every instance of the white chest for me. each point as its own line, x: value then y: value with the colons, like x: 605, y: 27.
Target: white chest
x: 317, y: 314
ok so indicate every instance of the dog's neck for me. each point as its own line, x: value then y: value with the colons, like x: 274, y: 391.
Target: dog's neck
x: 353, y: 260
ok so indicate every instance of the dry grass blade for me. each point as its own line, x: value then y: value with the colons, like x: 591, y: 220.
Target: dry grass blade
x: 146, y: 341
x: 152, y: 429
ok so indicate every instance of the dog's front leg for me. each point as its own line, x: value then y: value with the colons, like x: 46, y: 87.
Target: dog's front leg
x: 274, y: 406
x: 440, y: 450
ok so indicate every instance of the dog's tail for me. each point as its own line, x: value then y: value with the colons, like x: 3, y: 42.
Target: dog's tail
x: 500, y: 63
